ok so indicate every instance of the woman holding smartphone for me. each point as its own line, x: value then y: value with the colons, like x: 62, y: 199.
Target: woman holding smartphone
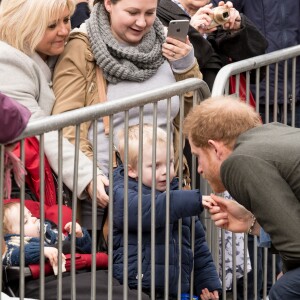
x: 125, y: 42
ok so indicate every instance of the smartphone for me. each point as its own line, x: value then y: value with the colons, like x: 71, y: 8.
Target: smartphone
x: 178, y: 29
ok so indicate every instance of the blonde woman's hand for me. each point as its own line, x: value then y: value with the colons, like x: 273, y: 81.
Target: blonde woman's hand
x: 174, y: 49
x: 102, y: 197
x: 52, y: 254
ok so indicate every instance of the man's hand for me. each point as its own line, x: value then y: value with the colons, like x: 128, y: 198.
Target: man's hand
x: 230, y: 215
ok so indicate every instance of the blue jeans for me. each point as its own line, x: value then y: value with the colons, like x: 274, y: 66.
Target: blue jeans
x: 287, y: 287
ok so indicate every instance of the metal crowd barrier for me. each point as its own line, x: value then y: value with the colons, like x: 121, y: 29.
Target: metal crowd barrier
x: 262, y: 75
x: 266, y: 70
x: 263, y: 66
x: 54, y: 125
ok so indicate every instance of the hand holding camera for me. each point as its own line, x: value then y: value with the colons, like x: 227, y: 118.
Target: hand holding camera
x: 207, y: 18
x: 219, y: 16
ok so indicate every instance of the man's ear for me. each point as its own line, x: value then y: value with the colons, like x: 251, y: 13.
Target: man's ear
x: 132, y: 172
x: 217, y: 148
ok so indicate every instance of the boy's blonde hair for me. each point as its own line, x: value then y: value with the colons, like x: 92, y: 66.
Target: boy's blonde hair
x: 23, y: 23
x: 133, y: 142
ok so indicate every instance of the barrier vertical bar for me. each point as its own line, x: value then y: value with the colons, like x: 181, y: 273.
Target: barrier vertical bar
x: 42, y: 214
x: 111, y: 210
x: 94, y: 209
x: 125, y: 231
x: 153, y: 203
x: 167, y: 237
x: 60, y: 203
x: 140, y: 199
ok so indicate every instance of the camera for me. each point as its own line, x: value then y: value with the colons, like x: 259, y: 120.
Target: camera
x: 219, y: 16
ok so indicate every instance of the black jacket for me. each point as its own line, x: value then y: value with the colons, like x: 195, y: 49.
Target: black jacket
x: 279, y: 22
x: 81, y: 13
x: 220, y: 47
x: 183, y: 204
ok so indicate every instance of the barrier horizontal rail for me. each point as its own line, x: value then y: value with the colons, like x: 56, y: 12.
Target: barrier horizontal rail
x: 56, y: 122
x: 251, y: 64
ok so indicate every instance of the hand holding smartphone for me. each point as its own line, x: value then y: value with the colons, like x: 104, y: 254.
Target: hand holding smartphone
x: 178, y: 29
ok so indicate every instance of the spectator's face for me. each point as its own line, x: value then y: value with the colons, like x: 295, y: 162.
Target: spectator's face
x: 53, y: 42
x: 209, y: 166
x: 160, y: 167
x: 130, y: 20
x: 31, y: 224
x: 193, y: 5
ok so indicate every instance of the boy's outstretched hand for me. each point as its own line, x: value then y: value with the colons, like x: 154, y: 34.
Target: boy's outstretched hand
x: 208, y: 202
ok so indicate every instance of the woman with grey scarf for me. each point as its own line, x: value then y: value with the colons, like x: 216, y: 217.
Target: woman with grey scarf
x: 126, y: 42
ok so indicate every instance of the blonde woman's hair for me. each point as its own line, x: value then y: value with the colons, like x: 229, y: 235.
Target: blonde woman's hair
x: 221, y: 118
x: 133, y: 142
x: 23, y: 23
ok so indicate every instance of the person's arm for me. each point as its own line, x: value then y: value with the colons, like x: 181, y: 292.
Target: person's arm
x: 240, y: 43
x: 167, y: 11
x: 84, y: 242
x: 182, y: 204
x: 31, y: 251
x: 181, y: 58
x: 230, y: 215
x: 259, y: 186
x: 83, y: 239
x: 193, y: 72
x: 72, y: 90
x: 248, y: 39
x: 184, y: 66
x: 20, y: 78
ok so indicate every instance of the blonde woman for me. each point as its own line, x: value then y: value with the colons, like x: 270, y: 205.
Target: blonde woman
x: 32, y: 35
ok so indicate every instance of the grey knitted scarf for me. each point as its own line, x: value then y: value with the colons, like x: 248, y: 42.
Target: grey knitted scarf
x: 119, y: 62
